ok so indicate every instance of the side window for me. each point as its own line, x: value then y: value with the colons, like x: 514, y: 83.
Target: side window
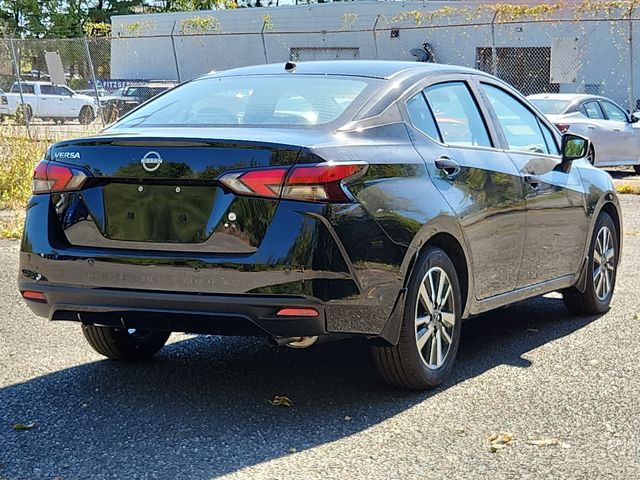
x: 421, y: 116
x: 62, y: 91
x: 613, y: 112
x: 550, y: 138
x: 457, y: 115
x: 592, y: 110
x: 47, y: 90
x: 15, y: 88
x: 519, y: 124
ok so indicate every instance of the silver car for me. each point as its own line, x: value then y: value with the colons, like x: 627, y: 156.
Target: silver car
x: 614, y: 134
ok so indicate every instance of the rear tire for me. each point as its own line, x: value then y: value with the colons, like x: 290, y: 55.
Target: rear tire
x: 86, y: 115
x: 121, y: 344
x: 430, y: 331
x: 601, y: 271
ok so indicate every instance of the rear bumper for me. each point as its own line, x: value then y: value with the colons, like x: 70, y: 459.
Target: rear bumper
x: 332, y: 258
x: 183, y: 312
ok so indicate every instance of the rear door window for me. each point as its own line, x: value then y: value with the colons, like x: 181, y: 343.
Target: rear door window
x: 457, y: 115
x: 25, y: 89
x: 592, y: 110
x: 421, y: 116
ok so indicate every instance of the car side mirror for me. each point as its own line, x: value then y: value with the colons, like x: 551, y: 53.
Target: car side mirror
x: 574, y: 147
x: 635, y: 117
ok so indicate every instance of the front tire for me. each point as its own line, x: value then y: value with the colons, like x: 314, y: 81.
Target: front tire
x: 430, y: 331
x: 124, y: 344
x: 601, y: 271
x: 591, y: 156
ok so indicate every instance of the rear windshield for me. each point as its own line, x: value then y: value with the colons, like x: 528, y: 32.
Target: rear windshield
x: 550, y: 107
x: 257, y: 100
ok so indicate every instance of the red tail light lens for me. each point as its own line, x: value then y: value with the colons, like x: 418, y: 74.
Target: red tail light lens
x: 298, y: 312
x: 49, y: 177
x: 322, y: 182
x: 258, y: 183
x: 35, y: 296
x: 562, y: 127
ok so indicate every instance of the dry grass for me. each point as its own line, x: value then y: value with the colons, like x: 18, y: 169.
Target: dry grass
x: 11, y: 222
x: 18, y: 157
x: 627, y: 188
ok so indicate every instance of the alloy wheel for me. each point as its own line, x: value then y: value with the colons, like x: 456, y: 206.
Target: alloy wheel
x: 603, y: 263
x: 435, y: 318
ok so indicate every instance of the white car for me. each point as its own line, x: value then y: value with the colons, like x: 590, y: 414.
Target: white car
x: 47, y: 101
x: 4, y: 106
x: 614, y: 133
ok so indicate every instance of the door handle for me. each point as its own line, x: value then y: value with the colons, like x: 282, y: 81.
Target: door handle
x: 616, y: 130
x: 591, y: 127
x: 533, y: 181
x: 450, y: 167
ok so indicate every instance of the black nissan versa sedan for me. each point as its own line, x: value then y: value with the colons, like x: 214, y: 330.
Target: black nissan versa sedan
x: 387, y: 200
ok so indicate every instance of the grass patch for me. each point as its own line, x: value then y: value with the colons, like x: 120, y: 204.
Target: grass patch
x: 627, y: 188
x: 18, y: 157
x: 11, y: 222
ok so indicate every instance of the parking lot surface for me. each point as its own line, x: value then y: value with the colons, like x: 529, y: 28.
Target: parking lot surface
x: 201, y: 408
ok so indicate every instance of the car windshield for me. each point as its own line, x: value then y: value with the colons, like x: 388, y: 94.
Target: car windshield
x: 252, y: 100
x: 549, y: 106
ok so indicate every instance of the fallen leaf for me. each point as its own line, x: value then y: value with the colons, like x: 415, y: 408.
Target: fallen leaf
x: 532, y: 330
x: 499, y: 440
x: 460, y: 430
x: 635, y: 316
x: 281, y: 401
x: 293, y: 450
x: 544, y: 442
x: 24, y: 426
x: 347, y: 417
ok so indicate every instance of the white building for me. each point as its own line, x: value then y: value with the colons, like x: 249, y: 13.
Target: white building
x: 567, y: 50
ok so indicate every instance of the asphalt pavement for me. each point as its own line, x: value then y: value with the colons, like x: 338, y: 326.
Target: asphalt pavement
x: 200, y: 409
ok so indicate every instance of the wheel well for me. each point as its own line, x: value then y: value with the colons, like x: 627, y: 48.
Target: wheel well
x: 450, y: 245
x: 609, y: 208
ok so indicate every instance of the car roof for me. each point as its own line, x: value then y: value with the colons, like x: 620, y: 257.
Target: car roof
x: 569, y: 97
x: 356, y: 68
x: 166, y: 84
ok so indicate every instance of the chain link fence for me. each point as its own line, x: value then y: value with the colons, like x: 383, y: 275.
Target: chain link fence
x: 561, y: 50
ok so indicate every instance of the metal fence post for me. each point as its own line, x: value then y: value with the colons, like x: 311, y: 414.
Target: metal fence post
x: 632, y: 105
x: 93, y: 79
x: 16, y: 66
x: 264, y: 42
x: 375, y: 37
x: 494, y: 53
x: 175, y: 53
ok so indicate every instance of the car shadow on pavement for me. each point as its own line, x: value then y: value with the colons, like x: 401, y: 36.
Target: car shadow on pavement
x: 201, y: 408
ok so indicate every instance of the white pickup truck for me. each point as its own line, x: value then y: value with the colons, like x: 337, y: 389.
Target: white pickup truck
x: 46, y: 101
